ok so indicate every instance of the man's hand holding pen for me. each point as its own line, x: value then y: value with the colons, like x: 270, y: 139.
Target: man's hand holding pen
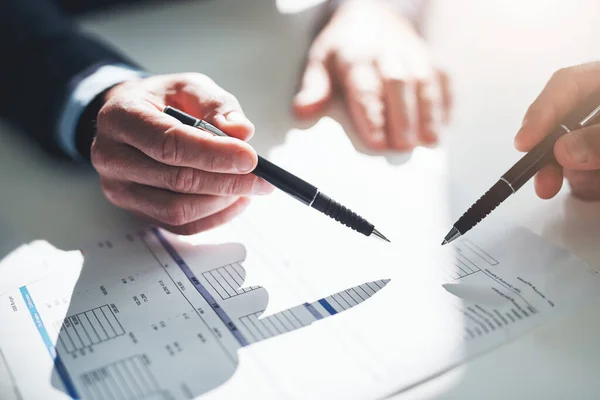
x: 578, y: 152
x: 561, y: 138
x: 179, y: 177
x: 186, y: 174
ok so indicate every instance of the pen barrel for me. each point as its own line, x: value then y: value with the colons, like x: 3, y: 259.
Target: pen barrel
x: 482, y: 207
x: 285, y: 181
x: 533, y: 161
x: 342, y: 214
x: 288, y: 182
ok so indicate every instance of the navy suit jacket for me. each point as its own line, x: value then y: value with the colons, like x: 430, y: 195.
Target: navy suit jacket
x: 41, y: 52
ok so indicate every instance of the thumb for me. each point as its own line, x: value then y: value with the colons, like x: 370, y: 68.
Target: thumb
x: 315, y: 91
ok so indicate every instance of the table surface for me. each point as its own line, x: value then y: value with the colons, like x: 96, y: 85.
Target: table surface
x: 499, y: 53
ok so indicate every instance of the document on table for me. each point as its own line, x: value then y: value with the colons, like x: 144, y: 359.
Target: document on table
x: 150, y: 316
x: 238, y: 312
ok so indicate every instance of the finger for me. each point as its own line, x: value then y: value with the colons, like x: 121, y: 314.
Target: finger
x: 211, y: 222
x: 548, y: 181
x: 203, y: 98
x: 124, y: 163
x: 426, y: 95
x: 567, y: 90
x: 315, y: 91
x: 424, y: 89
x: 579, y: 149
x: 445, y: 96
x: 399, y: 106
x: 363, y: 90
x: 169, y: 208
x: 165, y: 139
x: 584, y: 184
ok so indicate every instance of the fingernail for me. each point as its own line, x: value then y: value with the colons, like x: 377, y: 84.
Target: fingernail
x: 378, y: 137
x: 305, y: 97
x: 517, y: 141
x: 523, y: 125
x: 262, y: 187
x: 577, y: 149
x: 242, y: 161
x: 236, y: 117
x: 430, y: 139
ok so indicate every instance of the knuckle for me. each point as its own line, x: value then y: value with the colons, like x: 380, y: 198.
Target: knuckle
x: 562, y: 74
x: 213, y: 162
x: 115, y: 114
x: 236, y: 185
x: 211, y: 104
x: 193, y: 82
x: 396, y: 80
x: 185, y: 230
x: 171, y: 151
x: 229, y: 100
x: 176, y: 212
x: 106, y: 159
x: 104, y: 117
x: 97, y: 156
x: 242, y: 184
x: 184, y: 180
x: 198, y: 78
x: 111, y: 192
x: 594, y: 153
x: 425, y: 86
x: 113, y: 109
x: 402, y: 81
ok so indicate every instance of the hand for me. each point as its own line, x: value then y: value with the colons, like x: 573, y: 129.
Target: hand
x: 577, y: 153
x: 384, y: 71
x: 181, y: 178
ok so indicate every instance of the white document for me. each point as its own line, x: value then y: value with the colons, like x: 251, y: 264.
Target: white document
x: 146, y: 317
x: 149, y: 316
x: 154, y: 316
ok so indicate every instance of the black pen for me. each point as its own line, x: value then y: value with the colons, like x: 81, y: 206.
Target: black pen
x: 291, y: 184
x: 516, y: 177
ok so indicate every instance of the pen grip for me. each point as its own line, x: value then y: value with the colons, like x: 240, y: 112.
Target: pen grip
x: 533, y: 161
x: 341, y: 214
x: 285, y: 181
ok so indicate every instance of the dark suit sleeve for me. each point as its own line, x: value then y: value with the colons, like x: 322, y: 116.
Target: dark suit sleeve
x: 41, y: 52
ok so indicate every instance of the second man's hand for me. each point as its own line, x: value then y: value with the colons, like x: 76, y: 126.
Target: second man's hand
x: 181, y: 178
x: 382, y: 67
x: 577, y: 153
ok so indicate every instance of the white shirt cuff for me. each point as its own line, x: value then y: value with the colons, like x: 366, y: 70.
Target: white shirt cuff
x: 85, y: 87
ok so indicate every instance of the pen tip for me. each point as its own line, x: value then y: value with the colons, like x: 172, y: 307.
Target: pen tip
x: 378, y: 234
x: 451, y: 236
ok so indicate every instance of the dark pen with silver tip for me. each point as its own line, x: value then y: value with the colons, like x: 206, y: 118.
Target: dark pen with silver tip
x: 518, y: 175
x: 290, y: 184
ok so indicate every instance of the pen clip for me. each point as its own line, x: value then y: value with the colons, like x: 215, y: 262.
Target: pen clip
x: 590, y: 118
